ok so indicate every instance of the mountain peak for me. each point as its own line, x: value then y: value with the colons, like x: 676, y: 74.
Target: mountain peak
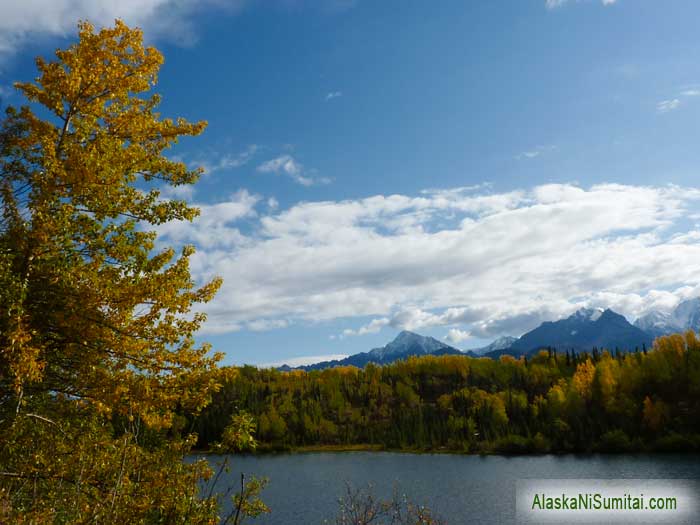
x: 502, y: 343
x: 404, y: 335
x: 610, y: 314
x: 409, y: 343
x: 587, y: 314
x: 584, y: 329
x: 685, y: 316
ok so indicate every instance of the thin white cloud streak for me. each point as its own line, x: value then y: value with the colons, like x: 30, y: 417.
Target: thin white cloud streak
x: 489, y: 263
x: 668, y: 105
x: 535, y: 152
x: 289, y: 166
x: 334, y: 94
x: 554, y: 4
x: 216, y: 163
x: 672, y: 104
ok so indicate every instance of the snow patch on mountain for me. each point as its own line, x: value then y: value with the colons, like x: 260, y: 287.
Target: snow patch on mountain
x: 685, y: 316
x: 408, y: 341
x: 501, y: 343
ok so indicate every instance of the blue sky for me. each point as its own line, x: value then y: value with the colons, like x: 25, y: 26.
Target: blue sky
x: 461, y: 169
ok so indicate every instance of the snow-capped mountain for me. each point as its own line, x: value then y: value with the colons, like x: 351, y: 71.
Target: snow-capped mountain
x: 583, y: 330
x: 657, y: 323
x: 587, y: 314
x: 501, y: 343
x: 405, y: 344
x: 685, y: 316
x: 408, y: 343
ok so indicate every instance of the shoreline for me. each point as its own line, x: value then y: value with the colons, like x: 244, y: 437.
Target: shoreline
x: 315, y: 449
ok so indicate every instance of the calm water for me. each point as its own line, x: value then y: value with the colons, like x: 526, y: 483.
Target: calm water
x: 304, y: 488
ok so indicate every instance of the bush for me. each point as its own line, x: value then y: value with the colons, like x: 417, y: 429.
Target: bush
x: 674, y: 442
x: 540, y: 444
x: 615, y: 441
x: 513, y: 444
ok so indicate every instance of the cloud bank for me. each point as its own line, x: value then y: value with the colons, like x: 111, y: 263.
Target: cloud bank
x: 485, y: 263
x: 22, y: 21
x: 172, y: 20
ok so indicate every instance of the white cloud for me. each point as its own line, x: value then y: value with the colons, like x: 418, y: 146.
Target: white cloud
x: 210, y: 164
x: 535, y: 152
x: 182, y: 192
x: 304, y: 360
x: 288, y: 165
x: 668, y: 105
x: 263, y: 325
x: 334, y: 94
x: 23, y: 21
x: 214, y: 228
x: 373, y: 327
x: 487, y: 263
x: 456, y: 336
x: 674, y: 103
x: 228, y: 161
x: 553, y: 4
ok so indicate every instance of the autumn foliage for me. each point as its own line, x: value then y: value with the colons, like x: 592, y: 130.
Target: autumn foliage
x: 97, y: 349
x: 100, y: 374
x: 556, y: 401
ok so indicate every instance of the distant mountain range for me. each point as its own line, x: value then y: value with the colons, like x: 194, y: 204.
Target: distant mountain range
x: 584, y: 330
x: 405, y: 344
x: 685, y: 316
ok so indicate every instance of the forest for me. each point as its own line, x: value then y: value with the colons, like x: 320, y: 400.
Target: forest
x: 552, y: 402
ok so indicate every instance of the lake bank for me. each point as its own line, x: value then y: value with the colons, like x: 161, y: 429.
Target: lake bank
x: 682, y: 445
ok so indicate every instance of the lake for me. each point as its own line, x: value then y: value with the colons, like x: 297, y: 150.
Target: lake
x: 304, y: 487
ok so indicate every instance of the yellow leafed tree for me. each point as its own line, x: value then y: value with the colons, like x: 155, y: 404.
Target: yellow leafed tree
x: 97, y: 349
x: 582, y: 380
x: 88, y: 311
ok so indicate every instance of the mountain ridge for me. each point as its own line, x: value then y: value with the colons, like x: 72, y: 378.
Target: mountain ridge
x: 404, y: 345
x: 585, y: 329
x: 685, y: 316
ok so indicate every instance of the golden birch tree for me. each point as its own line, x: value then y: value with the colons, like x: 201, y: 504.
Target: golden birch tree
x: 97, y: 347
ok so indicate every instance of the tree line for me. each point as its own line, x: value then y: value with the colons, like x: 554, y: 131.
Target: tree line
x: 551, y: 402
